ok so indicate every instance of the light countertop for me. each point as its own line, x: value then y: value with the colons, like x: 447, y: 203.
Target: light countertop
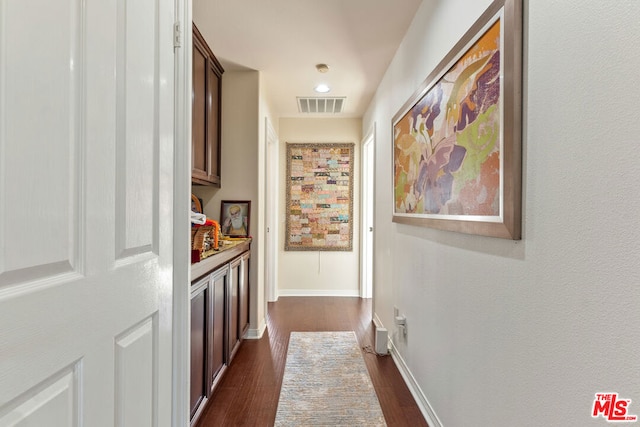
x: 226, y: 253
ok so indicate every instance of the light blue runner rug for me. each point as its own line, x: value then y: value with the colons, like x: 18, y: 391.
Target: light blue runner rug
x: 326, y: 383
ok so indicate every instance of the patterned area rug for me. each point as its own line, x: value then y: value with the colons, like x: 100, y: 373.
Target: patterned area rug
x: 326, y: 383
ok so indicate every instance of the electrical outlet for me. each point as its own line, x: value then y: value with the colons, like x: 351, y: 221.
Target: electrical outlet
x: 401, y: 324
x: 396, y: 312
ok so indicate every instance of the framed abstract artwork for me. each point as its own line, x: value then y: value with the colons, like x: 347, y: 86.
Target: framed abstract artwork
x: 457, y: 141
x: 319, y: 193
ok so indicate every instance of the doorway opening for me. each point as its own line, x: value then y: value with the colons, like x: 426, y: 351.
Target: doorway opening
x: 271, y: 183
x: 368, y: 195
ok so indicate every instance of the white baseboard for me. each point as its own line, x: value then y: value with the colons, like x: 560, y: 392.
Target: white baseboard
x: 255, y: 334
x: 421, y: 400
x: 318, y: 293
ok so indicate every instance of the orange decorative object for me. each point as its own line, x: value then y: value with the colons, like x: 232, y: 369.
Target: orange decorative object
x: 216, y: 233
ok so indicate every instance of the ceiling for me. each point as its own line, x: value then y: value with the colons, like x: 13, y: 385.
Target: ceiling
x: 285, y: 39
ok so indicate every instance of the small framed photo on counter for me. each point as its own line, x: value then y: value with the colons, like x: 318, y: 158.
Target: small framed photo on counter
x: 234, y: 218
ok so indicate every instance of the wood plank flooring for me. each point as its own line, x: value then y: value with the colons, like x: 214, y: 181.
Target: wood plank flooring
x: 248, y: 393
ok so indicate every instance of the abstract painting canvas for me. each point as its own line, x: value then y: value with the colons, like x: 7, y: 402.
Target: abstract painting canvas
x: 457, y: 141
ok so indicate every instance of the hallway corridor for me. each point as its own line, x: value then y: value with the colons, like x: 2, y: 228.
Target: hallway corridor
x: 248, y: 393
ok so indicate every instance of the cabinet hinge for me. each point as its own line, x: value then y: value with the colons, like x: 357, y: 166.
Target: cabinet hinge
x: 177, y: 34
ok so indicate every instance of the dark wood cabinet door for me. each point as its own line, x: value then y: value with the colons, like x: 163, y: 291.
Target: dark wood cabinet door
x: 218, y: 325
x: 199, y: 104
x: 234, y: 300
x: 199, y: 387
x: 206, y: 121
x: 214, y: 85
x: 244, y: 295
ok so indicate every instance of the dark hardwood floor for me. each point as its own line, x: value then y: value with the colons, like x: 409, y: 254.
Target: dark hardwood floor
x: 249, y: 390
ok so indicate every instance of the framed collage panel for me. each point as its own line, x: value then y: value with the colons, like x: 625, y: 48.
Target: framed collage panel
x: 319, y: 214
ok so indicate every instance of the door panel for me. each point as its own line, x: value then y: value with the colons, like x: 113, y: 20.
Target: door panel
x: 199, y: 329
x: 137, y: 120
x: 199, y: 108
x: 218, y: 322
x: 234, y: 308
x: 44, y: 145
x: 86, y: 173
x: 244, y: 296
x: 135, y: 370
x: 55, y: 398
x: 213, y: 121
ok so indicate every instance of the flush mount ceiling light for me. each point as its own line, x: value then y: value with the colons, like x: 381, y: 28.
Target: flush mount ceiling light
x: 322, y: 88
x: 322, y: 68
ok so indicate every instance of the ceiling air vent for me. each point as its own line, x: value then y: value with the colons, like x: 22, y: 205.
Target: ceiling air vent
x: 321, y: 105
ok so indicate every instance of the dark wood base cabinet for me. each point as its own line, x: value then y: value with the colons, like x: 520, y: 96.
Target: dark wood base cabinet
x: 243, y: 320
x: 218, y: 359
x: 199, y: 297
x: 219, y: 320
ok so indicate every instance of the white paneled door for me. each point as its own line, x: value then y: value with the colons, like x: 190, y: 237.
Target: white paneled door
x: 86, y: 172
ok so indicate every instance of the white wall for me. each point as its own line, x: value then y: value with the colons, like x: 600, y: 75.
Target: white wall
x: 321, y: 272
x: 504, y: 333
x: 240, y: 171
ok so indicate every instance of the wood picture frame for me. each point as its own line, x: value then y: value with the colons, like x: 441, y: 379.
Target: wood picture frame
x: 235, y: 216
x: 457, y: 141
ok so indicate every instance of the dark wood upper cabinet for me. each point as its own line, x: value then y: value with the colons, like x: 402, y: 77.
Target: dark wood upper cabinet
x: 206, y: 113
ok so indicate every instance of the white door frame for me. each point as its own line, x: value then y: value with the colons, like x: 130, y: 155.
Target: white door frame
x: 181, y: 224
x: 368, y: 196
x: 272, y: 231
